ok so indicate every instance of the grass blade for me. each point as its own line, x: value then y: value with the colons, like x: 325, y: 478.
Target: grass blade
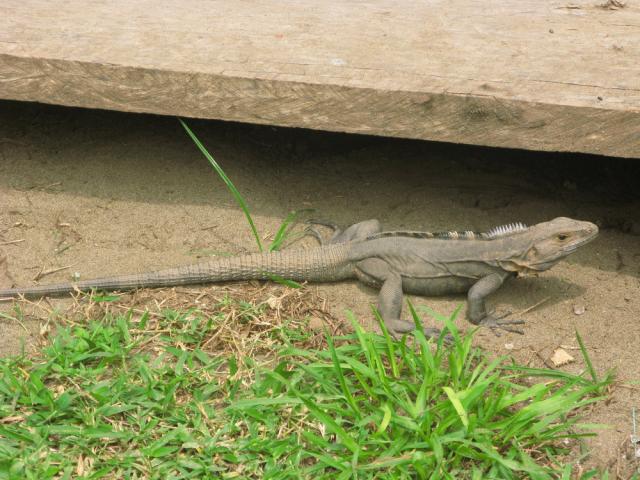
x: 457, y: 404
x: 340, y: 374
x: 283, y: 231
x: 234, y: 191
x: 587, y: 360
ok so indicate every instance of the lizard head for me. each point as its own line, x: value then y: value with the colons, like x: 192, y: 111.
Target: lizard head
x: 552, y: 241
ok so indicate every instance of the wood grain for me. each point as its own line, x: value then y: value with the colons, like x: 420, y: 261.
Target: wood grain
x: 532, y: 74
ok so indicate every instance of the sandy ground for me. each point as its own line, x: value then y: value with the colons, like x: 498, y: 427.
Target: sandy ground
x: 102, y: 192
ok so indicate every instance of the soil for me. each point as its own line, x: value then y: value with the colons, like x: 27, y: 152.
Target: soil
x: 95, y: 192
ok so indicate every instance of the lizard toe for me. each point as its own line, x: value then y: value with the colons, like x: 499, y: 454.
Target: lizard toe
x: 435, y: 333
x: 496, y: 324
x: 325, y: 223
x: 398, y: 328
x: 313, y: 232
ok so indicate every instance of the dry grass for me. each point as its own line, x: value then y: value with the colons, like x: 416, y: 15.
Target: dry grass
x: 245, y: 329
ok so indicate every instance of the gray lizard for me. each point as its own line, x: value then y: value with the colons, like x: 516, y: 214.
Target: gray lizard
x: 394, y: 262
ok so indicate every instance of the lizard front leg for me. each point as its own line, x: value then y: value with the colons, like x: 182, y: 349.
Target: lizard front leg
x: 374, y: 271
x: 477, y: 311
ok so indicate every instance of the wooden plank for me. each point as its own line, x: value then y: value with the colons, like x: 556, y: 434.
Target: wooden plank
x: 533, y: 74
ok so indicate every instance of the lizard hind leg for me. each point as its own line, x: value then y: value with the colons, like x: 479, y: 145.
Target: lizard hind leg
x: 313, y: 231
x: 357, y: 231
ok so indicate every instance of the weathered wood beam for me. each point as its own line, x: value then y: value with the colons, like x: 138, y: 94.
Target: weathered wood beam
x: 532, y: 74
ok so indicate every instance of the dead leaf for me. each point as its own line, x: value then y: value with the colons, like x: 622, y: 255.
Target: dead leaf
x: 274, y: 302
x: 45, y: 329
x: 561, y: 357
x: 80, y: 466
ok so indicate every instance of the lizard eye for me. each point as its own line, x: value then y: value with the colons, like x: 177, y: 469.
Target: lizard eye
x: 562, y: 237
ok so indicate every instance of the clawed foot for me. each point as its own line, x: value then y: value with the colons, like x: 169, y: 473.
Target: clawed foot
x: 401, y: 327
x: 324, y: 223
x: 311, y: 230
x: 496, y: 323
x: 432, y: 332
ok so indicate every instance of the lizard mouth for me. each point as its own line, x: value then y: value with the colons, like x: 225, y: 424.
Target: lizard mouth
x: 547, y: 263
x: 573, y: 248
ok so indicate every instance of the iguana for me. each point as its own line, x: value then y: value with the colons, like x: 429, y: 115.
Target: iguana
x: 419, y: 263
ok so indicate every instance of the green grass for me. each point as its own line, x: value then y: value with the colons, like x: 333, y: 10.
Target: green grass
x: 145, y: 398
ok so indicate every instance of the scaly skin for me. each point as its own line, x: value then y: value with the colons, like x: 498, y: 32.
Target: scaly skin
x: 395, y: 262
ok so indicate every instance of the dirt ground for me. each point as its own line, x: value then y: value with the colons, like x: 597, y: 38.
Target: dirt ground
x: 102, y: 192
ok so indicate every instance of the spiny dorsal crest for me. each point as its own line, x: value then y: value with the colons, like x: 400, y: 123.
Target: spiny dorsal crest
x: 496, y: 232
x: 505, y: 230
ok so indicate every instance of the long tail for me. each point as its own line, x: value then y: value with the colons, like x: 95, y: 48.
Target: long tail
x: 322, y: 264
